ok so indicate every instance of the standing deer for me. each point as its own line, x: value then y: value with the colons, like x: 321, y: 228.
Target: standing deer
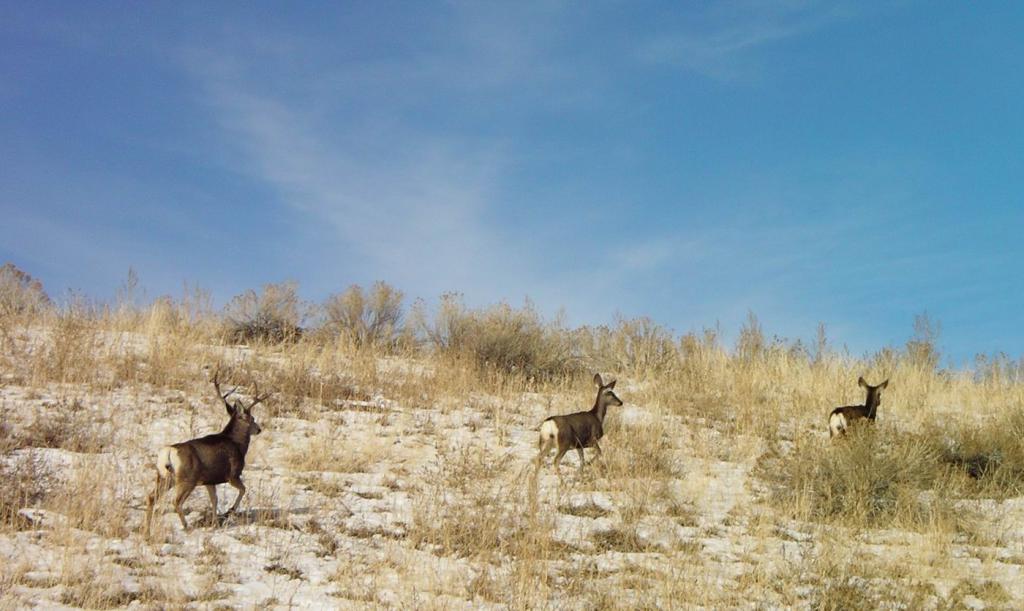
x: 842, y: 417
x: 579, y: 430
x: 210, y: 460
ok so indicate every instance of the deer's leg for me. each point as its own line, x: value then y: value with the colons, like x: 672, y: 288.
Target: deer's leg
x: 597, y: 449
x: 212, y: 492
x: 182, y: 490
x: 579, y: 449
x: 558, y: 459
x: 236, y: 483
x: 545, y: 449
x: 154, y: 497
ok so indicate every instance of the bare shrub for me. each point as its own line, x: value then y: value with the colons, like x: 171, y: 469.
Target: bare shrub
x: 191, y: 317
x: 20, y: 293
x: 365, y: 318
x: 632, y: 345
x: 28, y: 481
x: 271, y: 316
x: 502, y: 338
x: 922, y: 351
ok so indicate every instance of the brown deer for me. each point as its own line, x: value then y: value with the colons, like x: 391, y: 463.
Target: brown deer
x: 208, y: 461
x: 843, y: 417
x: 579, y: 430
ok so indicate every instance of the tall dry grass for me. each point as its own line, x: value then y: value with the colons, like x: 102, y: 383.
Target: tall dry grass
x: 943, y: 436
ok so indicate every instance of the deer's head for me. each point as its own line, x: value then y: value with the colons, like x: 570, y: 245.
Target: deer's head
x: 240, y: 414
x: 874, y: 392
x: 605, y: 394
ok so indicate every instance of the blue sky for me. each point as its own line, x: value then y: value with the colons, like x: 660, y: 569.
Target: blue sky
x: 847, y: 163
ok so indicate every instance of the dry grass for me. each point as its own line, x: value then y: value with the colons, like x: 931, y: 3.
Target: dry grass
x: 330, y: 452
x: 718, y: 485
x: 872, y: 478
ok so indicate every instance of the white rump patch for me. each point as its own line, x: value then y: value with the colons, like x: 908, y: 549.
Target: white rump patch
x: 168, y: 456
x: 836, y: 424
x: 548, y: 430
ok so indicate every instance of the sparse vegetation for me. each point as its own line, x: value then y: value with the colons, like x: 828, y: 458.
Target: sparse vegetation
x: 396, y: 461
x: 501, y: 339
x: 371, y: 318
x: 21, y: 294
x: 872, y: 478
x: 273, y: 315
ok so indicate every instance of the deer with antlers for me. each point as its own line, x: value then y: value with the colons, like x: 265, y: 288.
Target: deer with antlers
x: 214, y: 459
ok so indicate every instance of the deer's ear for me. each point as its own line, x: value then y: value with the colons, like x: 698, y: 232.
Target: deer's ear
x: 230, y: 409
x: 597, y: 379
x: 884, y: 384
x: 611, y: 384
x: 862, y: 382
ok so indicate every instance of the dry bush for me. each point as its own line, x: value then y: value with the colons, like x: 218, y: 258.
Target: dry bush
x: 371, y: 318
x: 27, y: 482
x: 88, y: 343
x: 192, y: 317
x: 503, y: 339
x: 873, y: 477
x: 273, y: 316
x: 637, y: 346
x: 990, y: 454
x: 21, y: 294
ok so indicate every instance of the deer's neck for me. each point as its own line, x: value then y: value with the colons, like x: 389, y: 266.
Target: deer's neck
x: 599, y: 410
x: 872, y: 404
x: 239, y: 434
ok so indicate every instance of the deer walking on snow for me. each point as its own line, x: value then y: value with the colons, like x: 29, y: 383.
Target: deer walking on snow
x: 211, y: 460
x: 579, y: 430
x: 843, y: 417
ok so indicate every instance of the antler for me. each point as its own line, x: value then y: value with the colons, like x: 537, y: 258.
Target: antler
x: 216, y: 385
x: 256, y: 393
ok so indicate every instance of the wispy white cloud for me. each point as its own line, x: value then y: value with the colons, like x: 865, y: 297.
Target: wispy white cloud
x: 411, y: 208
x: 339, y: 142
x: 341, y: 146
x: 722, y: 43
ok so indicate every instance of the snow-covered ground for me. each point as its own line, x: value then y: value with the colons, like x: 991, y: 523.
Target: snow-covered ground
x: 371, y: 503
